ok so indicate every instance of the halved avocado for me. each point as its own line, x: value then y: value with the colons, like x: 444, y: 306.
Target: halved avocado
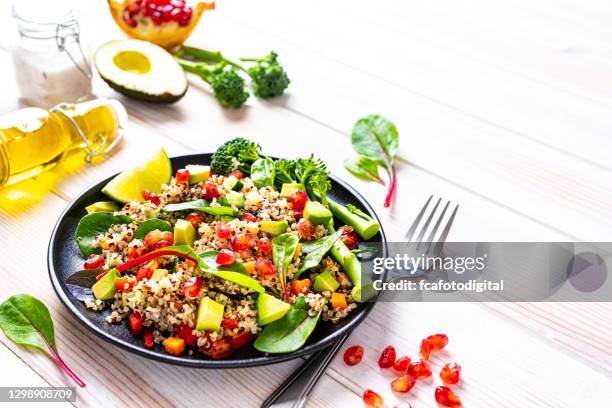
x: 141, y: 70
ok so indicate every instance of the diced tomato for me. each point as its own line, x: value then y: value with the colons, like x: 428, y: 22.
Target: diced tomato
x: 300, y: 286
x: 151, y: 196
x: 248, y: 217
x: 237, y: 173
x: 221, y: 348
x: 191, y: 288
x: 124, y: 283
x: 135, y: 323
x: 144, y: 272
x: 349, y: 237
x: 152, y: 238
x: 94, y: 262
x: 182, y: 176
x: 135, y: 252
x: 229, y: 323
x: 148, y: 338
x: 241, y: 339
x: 186, y: 333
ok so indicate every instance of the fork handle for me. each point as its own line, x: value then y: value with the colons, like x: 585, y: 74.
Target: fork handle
x: 294, y: 392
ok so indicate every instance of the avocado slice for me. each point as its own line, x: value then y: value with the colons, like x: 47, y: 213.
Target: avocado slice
x: 273, y: 227
x: 184, y: 233
x: 235, y: 198
x: 141, y: 70
x: 290, y: 188
x: 101, y: 206
x: 325, y: 281
x: 270, y: 309
x: 197, y: 173
x: 105, y: 288
x: 317, y: 213
x: 210, y: 314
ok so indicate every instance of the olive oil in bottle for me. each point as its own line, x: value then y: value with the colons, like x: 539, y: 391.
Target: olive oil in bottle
x: 33, y: 139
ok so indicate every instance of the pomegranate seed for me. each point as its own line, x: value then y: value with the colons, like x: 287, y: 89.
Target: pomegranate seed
x: 183, y: 21
x: 437, y: 341
x: 424, y: 350
x: 191, y: 288
x: 387, y: 357
x: 402, y: 363
x: 403, y: 383
x: 175, y: 15
x: 183, y: 175
x: 229, y: 323
x: 157, y: 20
x: 419, y: 370
x: 130, y: 21
x: 265, y: 267
x: 237, y: 173
x: 372, y: 399
x: 94, y: 262
x: 305, y: 228
x: 298, y: 200
x: 243, y: 241
x: 195, y: 218
x: 226, y: 257
x: 144, y: 272
x: 148, y: 338
x: 210, y: 190
x: 186, y: 333
x: 450, y: 373
x: 353, y: 355
x: 151, y: 196
x: 248, y: 217
x: 223, y: 230
x: 264, y: 246
x: 135, y: 323
x: 133, y: 8
x: 297, y: 214
x: 447, y: 398
x: 349, y: 237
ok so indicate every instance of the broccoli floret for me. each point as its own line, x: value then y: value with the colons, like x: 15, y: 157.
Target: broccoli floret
x: 235, y: 154
x: 268, y: 76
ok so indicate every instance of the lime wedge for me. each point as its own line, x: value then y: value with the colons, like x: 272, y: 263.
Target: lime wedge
x: 150, y: 175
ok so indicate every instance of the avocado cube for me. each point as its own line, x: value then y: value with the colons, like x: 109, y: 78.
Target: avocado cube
x: 197, y: 173
x: 325, y: 281
x: 317, y: 213
x: 270, y: 309
x: 210, y: 314
x: 290, y: 188
x: 273, y: 227
x: 184, y: 233
x: 235, y: 199
x: 105, y: 288
x: 100, y: 206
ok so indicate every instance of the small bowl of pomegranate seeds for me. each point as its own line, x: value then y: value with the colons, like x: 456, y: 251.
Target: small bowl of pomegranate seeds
x: 223, y: 265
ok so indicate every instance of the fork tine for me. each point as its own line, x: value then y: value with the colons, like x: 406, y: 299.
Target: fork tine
x: 417, y: 220
x: 432, y: 234
x: 419, y: 239
x: 442, y: 238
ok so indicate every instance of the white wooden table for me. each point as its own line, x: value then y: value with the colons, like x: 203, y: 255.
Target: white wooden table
x: 503, y: 106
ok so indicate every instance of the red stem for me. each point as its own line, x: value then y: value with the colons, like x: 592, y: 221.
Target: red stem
x: 391, y: 187
x: 152, y: 255
x: 61, y: 363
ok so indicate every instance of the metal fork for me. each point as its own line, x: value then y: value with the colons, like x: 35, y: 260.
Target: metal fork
x: 294, y: 392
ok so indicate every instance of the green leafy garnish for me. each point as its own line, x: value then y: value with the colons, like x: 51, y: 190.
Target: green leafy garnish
x: 93, y: 225
x: 198, y: 205
x: 316, y: 250
x: 364, y: 168
x: 262, y: 172
x: 151, y: 225
x: 283, y: 248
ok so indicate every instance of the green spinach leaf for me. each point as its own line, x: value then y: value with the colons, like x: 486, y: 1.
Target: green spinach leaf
x: 283, y: 248
x: 150, y: 225
x: 364, y: 168
x: 288, y: 333
x: 198, y: 205
x: 316, y: 250
x: 25, y: 320
x: 262, y: 172
x: 94, y: 224
x: 210, y: 259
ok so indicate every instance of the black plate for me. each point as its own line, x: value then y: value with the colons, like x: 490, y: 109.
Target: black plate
x: 64, y: 258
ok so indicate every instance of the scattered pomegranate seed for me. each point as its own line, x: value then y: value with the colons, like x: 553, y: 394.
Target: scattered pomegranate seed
x: 264, y: 246
x: 223, y: 230
x: 210, y: 190
x: 298, y: 200
x: 265, y: 267
x: 372, y: 399
x: 305, y: 228
x: 195, y: 218
x: 349, y: 237
x: 186, y: 333
x: 226, y: 257
x: 447, y: 398
x: 248, y: 217
x: 450, y: 373
x: 243, y: 241
x: 387, y: 357
x: 183, y: 175
x: 151, y: 196
x: 425, y: 350
x: 191, y: 288
x: 135, y: 323
x: 419, y: 370
x: 403, y: 383
x: 148, y: 338
x: 130, y: 21
x: 437, y: 341
x: 237, y: 173
x: 94, y: 262
x: 353, y: 355
x: 402, y: 363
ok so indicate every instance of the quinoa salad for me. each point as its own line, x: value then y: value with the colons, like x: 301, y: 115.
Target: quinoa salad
x: 244, y: 250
